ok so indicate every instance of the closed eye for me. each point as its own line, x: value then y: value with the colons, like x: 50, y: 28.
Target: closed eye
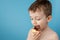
x: 38, y: 19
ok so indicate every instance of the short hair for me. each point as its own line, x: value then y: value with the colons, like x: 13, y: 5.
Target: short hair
x: 45, y: 5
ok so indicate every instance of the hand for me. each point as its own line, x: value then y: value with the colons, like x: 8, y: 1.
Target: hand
x: 36, y: 34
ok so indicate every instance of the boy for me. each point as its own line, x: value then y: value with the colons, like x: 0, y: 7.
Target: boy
x: 41, y: 13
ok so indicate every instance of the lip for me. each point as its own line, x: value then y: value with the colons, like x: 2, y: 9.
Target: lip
x: 37, y: 27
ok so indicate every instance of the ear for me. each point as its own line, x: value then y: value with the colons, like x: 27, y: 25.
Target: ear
x: 49, y: 18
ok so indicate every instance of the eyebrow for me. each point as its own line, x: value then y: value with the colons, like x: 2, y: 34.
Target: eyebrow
x: 35, y: 17
x: 38, y: 16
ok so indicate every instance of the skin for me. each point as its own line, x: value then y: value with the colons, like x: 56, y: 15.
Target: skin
x: 39, y: 18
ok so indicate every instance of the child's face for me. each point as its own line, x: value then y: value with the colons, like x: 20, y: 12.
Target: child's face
x: 39, y: 18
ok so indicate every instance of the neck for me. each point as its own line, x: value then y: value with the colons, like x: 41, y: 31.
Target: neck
x: 46, y: 28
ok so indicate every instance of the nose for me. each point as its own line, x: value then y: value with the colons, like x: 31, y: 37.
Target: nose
x: 34, y: 22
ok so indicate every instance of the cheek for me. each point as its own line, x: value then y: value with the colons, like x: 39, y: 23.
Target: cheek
x: 42, y: 22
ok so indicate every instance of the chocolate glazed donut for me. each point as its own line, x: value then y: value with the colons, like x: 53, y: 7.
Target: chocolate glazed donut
x: 37, y: 28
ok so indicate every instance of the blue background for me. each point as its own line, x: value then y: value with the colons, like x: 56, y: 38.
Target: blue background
x: 15, y: 21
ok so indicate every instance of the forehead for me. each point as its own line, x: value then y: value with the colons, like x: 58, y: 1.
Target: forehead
x: 37, y: 13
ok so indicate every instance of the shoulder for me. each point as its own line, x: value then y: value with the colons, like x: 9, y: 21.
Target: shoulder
x: 53, y: 36
x: 29, y: 37
x: 30, y: 31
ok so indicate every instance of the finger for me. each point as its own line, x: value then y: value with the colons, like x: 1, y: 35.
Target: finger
x: 37, y: 37
x: 37, y: 33
x: 33, y: 32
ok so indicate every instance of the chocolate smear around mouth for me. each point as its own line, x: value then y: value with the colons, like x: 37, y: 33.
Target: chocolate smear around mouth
x: 37, y: 27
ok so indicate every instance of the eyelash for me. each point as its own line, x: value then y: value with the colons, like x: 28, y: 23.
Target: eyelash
x: 36, y: 19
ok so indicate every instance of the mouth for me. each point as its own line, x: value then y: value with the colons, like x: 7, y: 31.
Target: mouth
x: 37, y: 27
